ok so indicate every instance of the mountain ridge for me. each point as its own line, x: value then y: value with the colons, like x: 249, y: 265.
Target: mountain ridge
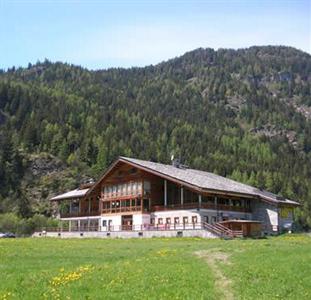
x: 234, y: 112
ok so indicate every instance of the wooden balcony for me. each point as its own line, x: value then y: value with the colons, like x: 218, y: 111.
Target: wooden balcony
x: 202, y: 206
x: 121, y: 196
x: 113, y: 210
x: 80, y: 214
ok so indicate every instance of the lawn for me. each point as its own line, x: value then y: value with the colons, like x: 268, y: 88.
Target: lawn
x: 175, y: 268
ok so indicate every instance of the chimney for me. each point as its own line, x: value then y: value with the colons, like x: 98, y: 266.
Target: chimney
x: 176, y: 163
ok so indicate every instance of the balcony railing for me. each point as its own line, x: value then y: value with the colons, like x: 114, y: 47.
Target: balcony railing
x: 80, y: 214
x: 123, y: 209
x: 196, y: 205
x: 122, y: 195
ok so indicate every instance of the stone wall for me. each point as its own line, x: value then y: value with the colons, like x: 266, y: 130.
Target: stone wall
x: 128, y: 234
x: 267, y: 214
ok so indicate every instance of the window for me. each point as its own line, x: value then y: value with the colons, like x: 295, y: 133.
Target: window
x: 139, y: 186
x: 104, y: 223
x: 223, y: 201
x: 247, y: 203
x: 206, y: 219
x: 176, y: 220
x: 185, y: 220
x: 168, y: 220
x: 152, y: 221
x: 147, y: 187
x: 194, y: 219
x: 237, y: 203
x: 160, y: 221
x: 74, y: 206
x: 208, y: 199
x: 133, y: 171
x: 133, y: 202
x: 124, y: 189
x: 214, y: 219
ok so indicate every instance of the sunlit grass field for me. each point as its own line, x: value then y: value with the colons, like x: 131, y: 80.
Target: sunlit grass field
x: 273, y: 268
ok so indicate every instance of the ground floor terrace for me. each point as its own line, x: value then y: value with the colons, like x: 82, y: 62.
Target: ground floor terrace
x: 213, y: 221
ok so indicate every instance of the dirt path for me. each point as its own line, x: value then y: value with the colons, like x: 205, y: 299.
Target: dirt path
x: 222, y: 283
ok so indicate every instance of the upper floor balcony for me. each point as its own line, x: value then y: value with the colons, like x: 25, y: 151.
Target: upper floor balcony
x: 77, y: 214
x: 126, y: 190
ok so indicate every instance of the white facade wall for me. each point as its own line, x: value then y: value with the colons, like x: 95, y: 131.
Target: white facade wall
x: 116, y: 222
x: 145, y: 219
x: 141, y: 219
x: 199, y: 214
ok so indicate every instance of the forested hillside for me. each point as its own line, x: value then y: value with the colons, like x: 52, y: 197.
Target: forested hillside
x: 244, y: 114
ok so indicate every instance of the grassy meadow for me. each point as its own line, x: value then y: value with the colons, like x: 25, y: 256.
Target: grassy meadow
x: 160, y: 268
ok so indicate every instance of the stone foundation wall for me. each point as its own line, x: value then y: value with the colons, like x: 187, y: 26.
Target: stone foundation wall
x: 128, y: 234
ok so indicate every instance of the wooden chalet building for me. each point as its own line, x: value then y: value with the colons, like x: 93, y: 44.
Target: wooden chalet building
x: 137, y: 195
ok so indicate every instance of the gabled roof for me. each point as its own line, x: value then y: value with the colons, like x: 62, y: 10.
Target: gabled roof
x: 71, y: 194
x: 200, y: 179
x: 207, y: 181
x: 196, y: 179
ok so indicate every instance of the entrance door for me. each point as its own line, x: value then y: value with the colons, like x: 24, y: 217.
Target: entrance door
x: 146, y: 205
x: 127, y: 222
x: 110, y: 225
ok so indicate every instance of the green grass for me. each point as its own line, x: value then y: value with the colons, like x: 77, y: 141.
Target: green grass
x: 274, y: 268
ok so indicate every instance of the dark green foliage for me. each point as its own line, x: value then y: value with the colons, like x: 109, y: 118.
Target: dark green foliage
x: 10, y: 222
x: 201, y: 107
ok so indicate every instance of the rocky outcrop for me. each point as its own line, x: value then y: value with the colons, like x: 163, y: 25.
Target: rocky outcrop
x: 272, y: 131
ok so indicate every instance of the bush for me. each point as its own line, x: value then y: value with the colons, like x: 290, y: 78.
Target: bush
x: 10, y: 222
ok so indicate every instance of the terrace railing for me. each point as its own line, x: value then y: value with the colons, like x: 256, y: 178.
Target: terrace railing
x: 196, y: 205
x: 217, y: 229
x: 119, y: 209
x: 72, y: 229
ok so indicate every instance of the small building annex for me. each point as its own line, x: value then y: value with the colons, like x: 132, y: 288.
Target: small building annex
x: 137, y: 195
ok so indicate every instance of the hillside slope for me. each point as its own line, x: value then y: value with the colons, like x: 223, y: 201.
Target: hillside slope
x: 245, y: 114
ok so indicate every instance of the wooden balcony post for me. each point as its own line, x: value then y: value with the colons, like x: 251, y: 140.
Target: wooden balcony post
x: 100, y: 206
x: 182, y: 196
x: 69, y: 226
x: 200, y: 200
x: 165, y: 192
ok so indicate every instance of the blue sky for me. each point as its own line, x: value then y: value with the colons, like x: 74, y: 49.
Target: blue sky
x: 100, y: 34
